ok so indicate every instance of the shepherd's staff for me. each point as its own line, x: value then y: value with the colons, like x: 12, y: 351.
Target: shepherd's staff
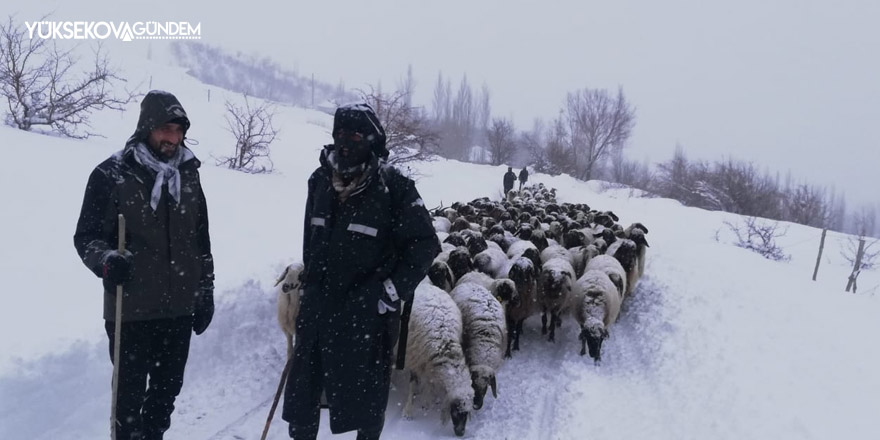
x: 117, y: 337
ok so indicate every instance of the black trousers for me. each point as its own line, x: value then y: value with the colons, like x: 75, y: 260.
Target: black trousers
x: 153, y: 358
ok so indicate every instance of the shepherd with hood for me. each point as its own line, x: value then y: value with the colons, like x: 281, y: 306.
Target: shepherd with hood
x: 367, y: 243
x: 166, y: 270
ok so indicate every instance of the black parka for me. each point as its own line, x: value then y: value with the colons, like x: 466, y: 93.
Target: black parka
x: 349, y: 249
x: 171, y: 248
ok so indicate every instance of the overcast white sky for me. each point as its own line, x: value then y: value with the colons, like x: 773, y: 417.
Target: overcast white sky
x: 788, y: 84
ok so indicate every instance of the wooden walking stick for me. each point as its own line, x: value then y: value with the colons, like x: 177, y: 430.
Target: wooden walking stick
x: 117, y: 337
x: 277, y: 396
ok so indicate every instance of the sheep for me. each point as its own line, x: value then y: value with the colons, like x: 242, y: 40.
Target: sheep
x: 442, y: 224
x: 441, y: 276
x: 596, y: 305
x: 490, y: 261
x: 627, y: 253
x: 554, y: 292
x: 551, y: 252
x: 288, y: 295
x: 638, y: 236
x: 582, y: 255
x: 522, y: 273
x: 484, y: 336
x: 503, y: 289
x: 613, y: 269
x: 434, y: 355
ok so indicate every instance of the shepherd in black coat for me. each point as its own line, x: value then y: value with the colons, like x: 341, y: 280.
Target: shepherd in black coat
x: 523, y: 177
x: 368, y: 242
x: 509, y: 178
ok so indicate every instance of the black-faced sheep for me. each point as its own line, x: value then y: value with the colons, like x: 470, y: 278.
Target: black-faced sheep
x: 523, y: 274
x: 441, y: 276
x: 434, y: 355
x: 484, y: 336
x: 627, y: 253
x: 503, y: 289
x: 289, y: 290
x: 554, y: 292
x: 596, y: 305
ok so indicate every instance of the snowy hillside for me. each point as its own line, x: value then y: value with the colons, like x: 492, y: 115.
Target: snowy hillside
x: 716, y: 342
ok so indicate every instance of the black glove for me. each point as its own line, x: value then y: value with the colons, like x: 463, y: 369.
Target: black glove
x: 116, y: 266
x: 389, y: 301
x: 203, y: 312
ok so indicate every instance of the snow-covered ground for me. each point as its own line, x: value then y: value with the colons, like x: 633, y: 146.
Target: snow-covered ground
x: 716, y: 342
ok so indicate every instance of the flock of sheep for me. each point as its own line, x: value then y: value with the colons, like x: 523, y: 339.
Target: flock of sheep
x: 500, y: 263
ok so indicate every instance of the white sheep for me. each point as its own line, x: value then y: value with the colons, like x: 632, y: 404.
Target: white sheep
x: 612, y: 268
x: 288, y: 294
x: 484, y: 337
x: 596, y: 305
x: 442, y: 224
x: 555, y: 251
x: 434, y: 355
x: 490, y: 261
x: 503, y: 289
x: 554, y: 292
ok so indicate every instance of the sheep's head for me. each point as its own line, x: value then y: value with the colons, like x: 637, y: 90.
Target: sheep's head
x: 290, y: 278
x: 555, y: 283
x: 460, y: 262
x: 505, y: 291
x: 539, y: 240
x: 476, y: 245
x: 627, y: 254
x: 441, y: 276
x: 455, y: 239
x: 459, y: 411
x: 459, y: 224
x: 593, y: 336
x: 482, y: 378
x: 638, y: 236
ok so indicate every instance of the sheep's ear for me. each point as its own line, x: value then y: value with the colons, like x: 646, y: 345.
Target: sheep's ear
x: 283, y: 275
x: 613, y: 215
x: 494, y: 386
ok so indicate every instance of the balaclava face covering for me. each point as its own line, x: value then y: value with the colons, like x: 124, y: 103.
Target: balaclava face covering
x: 357, y: 136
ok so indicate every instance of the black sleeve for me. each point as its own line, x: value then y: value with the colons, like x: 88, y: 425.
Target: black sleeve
x: 414, y: 239
x: 204, y: 241
x: 90, y: 239
x: 306, y: 237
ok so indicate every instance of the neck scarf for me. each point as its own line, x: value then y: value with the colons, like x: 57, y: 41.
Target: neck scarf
x: 163, y: 171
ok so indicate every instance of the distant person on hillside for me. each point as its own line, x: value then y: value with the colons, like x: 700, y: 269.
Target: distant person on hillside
x: 166, y: 270
x: 509, y: 178
x: 368, y: 242
x: 523, y: 177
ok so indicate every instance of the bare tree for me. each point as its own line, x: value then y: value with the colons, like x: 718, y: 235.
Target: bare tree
x: 760, y: 237
x: 630, y: 172
x: 502, y: 141
x: 41, y: 87
x: 409, y: 136
x: 252, y: 128
x: 598, y: 122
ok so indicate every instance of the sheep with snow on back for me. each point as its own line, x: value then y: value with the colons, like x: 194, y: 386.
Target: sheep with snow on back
x: 554, y: 292
x: 613, y: 269
x: 596, y: 305
x: 484, y: 337
x: 638, y: 236
x: 289, y: 290
x: 434, y: 355
x: 490, y: 261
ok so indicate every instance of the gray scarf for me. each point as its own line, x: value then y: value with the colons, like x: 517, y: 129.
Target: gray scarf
x: 164, y: 171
